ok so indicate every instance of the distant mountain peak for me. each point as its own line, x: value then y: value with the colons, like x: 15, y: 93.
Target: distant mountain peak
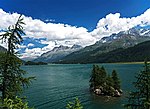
x: 140, y: 31
x: 75, y: 46
x: 57, y: 53
x: 134, y: 33
x: 121, y: 40
x: 61, y: 47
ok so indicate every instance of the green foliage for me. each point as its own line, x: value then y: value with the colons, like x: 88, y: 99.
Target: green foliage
x: 103, y: 73
x: 98, y: 76
x: 16, y: 103
x: 109, y: 81
x: 103, y: 81
x: 116, y: 80
x: 74, y: 105
x: 13, y: 35
x: 140, y: 98
x: 13, y: 79
x: 12, y: 76
x: 108, y: 88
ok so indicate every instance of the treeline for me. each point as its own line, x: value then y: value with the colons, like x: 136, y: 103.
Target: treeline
x: 138, y: 53
x: 34, y: 63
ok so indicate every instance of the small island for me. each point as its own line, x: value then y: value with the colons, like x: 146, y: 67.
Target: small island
x: 104, y: 84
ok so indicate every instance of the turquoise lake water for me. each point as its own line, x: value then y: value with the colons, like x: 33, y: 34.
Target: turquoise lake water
x: 60, y: 83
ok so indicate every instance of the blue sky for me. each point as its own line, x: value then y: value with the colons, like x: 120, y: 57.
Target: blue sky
x: 51, y: 23
x: 84, y: 13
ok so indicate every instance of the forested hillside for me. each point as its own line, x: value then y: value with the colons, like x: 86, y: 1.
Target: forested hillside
x: 132, y: 54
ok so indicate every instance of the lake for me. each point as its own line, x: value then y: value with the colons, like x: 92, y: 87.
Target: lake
x: 58, y: 84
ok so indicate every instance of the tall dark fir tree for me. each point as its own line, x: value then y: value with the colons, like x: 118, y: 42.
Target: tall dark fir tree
x: 12, y: 75
x: 140, y: 98
x: 116, y: 80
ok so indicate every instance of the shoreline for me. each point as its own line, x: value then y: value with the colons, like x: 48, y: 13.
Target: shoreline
x: 129, y: 62
x: 142, y: 62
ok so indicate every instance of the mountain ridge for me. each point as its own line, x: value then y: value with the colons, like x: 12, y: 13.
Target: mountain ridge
x: 123, y: 39
x: 135, y: 53
x: 57, y: 53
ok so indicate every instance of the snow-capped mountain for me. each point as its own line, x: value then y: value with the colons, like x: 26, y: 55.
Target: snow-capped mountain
x: 57, y: 53
x: 134, y: 33
x: 122, y: 40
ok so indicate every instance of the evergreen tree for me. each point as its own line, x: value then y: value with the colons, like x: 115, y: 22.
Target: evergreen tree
x: 74, y: 105
x: 140, y: 98
x: 16, y: 103
x: 108, y: 88
x: 109, y: 81
x: 98, y: 77
x: 104, y: 83
x: 103, y: 72
x: 94, y: 78
x: 116, y: 80
x: 103, y: 75
x: 12, y: 75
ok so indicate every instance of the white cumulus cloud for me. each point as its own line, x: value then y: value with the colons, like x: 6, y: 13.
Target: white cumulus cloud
x: 30, y: 45
x: 114, y: 23
x: 63, y: 34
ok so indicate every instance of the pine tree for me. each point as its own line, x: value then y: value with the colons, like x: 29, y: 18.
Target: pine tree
x: 98, y: 77
x: 74, y: 105
x: 13, y: 79
x: 16, y: 103
x: 116, y: 80
x: 140, y: 99
x: 94, y: 79
x: 103, y: 74
x: 103, y: 83
x: 108, y: 89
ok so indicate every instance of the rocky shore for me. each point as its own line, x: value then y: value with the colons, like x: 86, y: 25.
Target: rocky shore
x: 112, y: 93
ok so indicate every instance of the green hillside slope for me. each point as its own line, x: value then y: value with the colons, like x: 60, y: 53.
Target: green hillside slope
x: 136, y: 53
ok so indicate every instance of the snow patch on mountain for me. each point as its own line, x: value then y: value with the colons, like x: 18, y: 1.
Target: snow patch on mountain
x: 133, y: 33
x: 57, y: 53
